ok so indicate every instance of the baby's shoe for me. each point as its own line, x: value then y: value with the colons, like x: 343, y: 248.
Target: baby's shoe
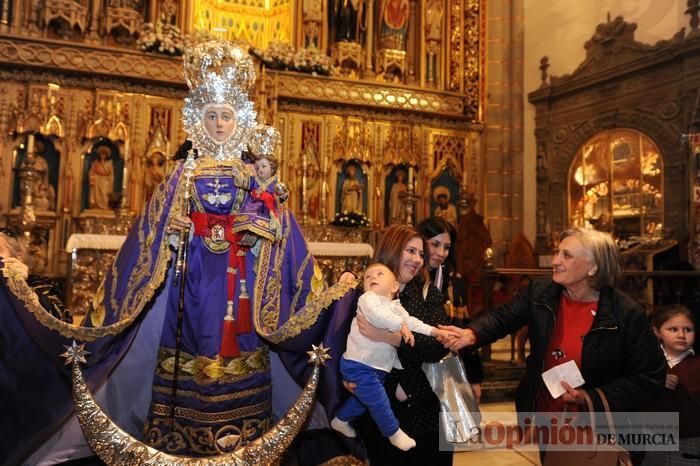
x: 402, y: 441
x: 345, y: 428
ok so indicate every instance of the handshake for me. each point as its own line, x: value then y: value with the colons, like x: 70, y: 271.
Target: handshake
x: 455, y: 338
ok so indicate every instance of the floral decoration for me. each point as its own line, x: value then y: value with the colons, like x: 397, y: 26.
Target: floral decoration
x: 167, y: 39
x: 282, y: 56
x: 162, y: 38
x: 351, y: 219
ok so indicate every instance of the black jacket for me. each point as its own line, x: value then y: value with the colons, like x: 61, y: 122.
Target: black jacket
x: 620, y: 354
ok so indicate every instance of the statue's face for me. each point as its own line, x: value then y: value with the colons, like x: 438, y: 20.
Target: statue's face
x: 220, y: 122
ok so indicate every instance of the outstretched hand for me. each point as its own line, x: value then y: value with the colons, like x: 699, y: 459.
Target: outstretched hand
x: 457, y: 338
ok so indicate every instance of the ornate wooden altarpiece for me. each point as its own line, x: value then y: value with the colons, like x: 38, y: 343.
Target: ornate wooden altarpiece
x: 81, y: 106
x: 640, y: 100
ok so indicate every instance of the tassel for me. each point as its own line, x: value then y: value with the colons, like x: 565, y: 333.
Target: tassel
x: 243, y: 322
x: 229, y: 342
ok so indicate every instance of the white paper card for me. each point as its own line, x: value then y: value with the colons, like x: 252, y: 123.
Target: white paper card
x: 568, y: 372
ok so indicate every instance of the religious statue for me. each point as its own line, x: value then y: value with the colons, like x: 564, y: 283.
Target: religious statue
x: 101, y: 177
x: 44, y: 195
x: 434, y: 10
x: 347, y: 15
x: 394, y: 24
x: 313, y: 189
x: 312, y: 21
x: 351, y: 191
x: 154, y: 173
x: 397, y: 198
x: 190, y: 323
x: 444, y: 209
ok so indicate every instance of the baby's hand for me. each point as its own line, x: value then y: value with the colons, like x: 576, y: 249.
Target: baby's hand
x: 407, y: 335
x: 440, y: 335
x: 671, y: 381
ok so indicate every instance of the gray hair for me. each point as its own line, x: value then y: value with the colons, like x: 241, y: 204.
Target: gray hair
x: 603, y: 252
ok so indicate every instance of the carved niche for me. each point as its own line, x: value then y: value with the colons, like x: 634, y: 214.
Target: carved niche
x: 621, y: 85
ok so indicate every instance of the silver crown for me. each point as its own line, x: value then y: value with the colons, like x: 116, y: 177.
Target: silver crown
x: 221, y: 73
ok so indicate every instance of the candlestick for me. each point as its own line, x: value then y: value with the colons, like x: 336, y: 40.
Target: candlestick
x: 304, y: 206
x: 410, y: 175
x: 30, y: 144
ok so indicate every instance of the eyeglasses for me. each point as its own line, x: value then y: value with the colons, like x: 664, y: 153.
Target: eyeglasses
x: 8, y: 232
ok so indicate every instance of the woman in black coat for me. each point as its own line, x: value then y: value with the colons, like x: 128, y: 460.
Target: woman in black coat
x: 440, y: 238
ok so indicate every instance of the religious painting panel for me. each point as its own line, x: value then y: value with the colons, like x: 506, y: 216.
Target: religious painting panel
x: 46, y: 166
x: 395, y: 205
x: 102, y: 176
x: 444, y: 194
x: 393, y: 24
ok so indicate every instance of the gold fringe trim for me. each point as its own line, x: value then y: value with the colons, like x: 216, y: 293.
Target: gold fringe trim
x: 18, y: 287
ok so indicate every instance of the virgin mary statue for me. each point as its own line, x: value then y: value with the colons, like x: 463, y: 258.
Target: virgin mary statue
x: 189, y: 320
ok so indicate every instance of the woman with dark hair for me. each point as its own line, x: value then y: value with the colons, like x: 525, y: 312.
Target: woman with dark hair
x: 440, y: 238
x: 412, y: 399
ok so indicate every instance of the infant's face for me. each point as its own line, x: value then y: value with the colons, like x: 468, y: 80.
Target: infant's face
x: 263, y: 169
x: 220, y: 122
x: 379, y: 279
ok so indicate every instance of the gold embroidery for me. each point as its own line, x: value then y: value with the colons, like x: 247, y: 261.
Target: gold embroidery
x: 177, y: 438
x: 214, y: 398
x: 307, y: 316
x: 267, y: 297
x: 204, y: 370
x: 300, y: 276
x: 263, y: 232
x: 212, y: 418
x: 267, y: 315
x: 318, y: 284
